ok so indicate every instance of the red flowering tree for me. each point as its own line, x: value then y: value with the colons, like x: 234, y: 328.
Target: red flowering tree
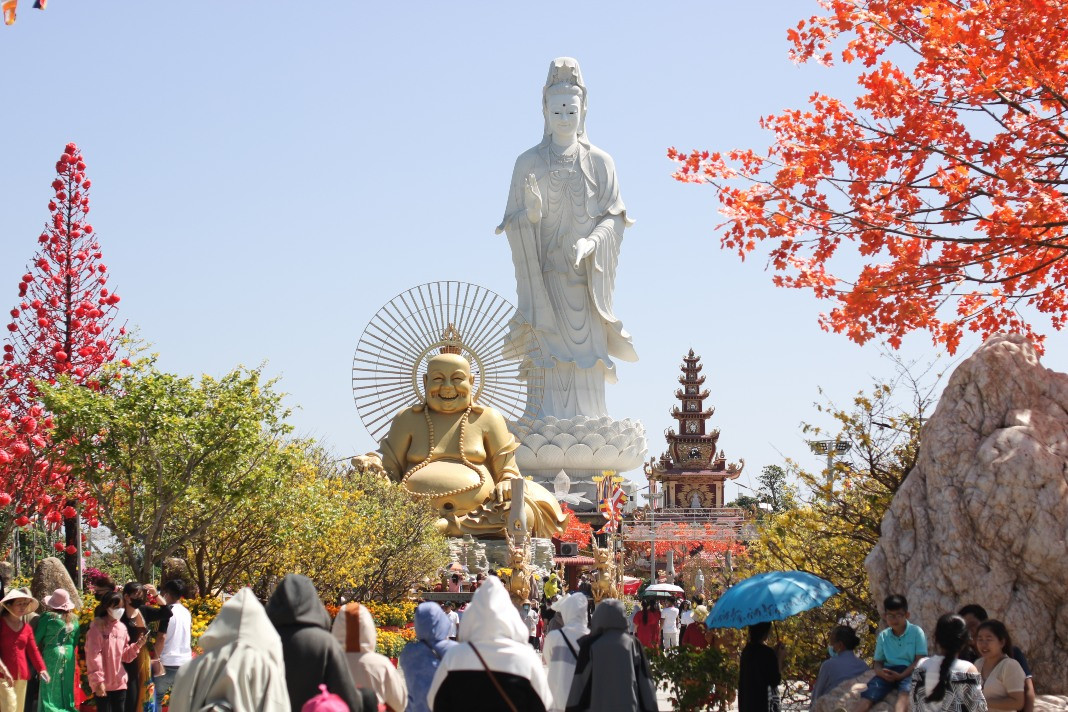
x: 575, y: 530
x: 947, y: 176
x: 61, y: 326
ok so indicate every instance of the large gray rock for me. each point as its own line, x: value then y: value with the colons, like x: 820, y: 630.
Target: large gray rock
x: 50, y: 575
x: 983, y: 516
x: 846, y: 696
x: 1051, y: 703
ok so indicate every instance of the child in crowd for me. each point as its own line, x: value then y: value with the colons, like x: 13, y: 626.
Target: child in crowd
x: 898, y: 649
x: 944, y: 681
x: 454, y: 619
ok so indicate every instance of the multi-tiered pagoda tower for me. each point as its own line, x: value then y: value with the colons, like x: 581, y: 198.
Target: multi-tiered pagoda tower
x: 692, y: 473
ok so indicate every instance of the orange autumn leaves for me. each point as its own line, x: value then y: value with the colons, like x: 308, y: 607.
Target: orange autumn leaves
x: 946, y: 176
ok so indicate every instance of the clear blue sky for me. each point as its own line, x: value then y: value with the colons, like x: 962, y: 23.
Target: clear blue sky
x: 266, y: 175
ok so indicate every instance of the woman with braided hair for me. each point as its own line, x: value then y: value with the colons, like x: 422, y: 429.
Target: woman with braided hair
x: 944, y: 682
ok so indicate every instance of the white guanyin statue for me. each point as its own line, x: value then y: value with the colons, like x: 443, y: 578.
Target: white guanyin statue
x: 565, y: 221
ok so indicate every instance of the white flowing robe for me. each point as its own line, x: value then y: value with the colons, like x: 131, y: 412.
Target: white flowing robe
x: 570, y: 309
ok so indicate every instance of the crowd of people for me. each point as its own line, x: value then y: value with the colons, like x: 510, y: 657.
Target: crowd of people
x: 290, y: 655
x: 547, y: 654
x: 124, y: 667
x: 972, y: 665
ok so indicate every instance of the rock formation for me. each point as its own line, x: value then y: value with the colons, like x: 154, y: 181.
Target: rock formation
x: 983, y: 516
x: 50, y: 575
x: 846, y: 696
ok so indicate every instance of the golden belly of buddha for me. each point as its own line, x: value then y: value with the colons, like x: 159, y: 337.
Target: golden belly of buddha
x: 451, y: 486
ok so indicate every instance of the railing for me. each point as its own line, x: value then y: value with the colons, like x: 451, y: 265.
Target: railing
x: 688, y: 523
x: 700, y: 514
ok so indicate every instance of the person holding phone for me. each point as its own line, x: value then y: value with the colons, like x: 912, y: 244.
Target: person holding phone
x: 107, y: 647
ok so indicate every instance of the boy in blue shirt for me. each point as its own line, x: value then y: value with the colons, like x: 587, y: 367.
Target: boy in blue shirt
x: 898, y: 649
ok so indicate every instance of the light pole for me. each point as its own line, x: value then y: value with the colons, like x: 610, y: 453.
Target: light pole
x: 654, y: 498
x: 830, y: 448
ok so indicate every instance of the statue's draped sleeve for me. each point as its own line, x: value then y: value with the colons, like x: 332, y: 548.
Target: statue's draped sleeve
x: 611, y: 215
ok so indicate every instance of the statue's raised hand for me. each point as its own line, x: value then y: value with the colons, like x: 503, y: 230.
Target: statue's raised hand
x: 532, y: 199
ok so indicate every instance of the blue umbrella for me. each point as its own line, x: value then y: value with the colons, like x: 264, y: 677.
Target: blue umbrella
x: 769, y: 597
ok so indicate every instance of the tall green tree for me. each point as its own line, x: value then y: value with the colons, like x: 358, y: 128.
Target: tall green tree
x: 168, y: 456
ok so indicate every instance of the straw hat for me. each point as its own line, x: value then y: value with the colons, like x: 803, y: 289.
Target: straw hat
x: 59, y: 600
x: 17, y: 593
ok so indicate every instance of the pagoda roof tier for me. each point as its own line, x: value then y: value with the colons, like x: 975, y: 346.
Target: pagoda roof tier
x: 692, y: 414
x: 682, y: 395
x: 693, y: 366
x: 695, y: 382
x: 671, y: 435
x: 719, y: 472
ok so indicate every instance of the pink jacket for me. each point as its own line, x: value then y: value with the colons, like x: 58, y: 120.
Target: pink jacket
x: 107, y: 647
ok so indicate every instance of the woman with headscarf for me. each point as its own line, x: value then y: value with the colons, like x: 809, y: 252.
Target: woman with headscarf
x: 612, y: 674
x: 354, y: 628
x: 241, y: 667
x: 312, y: 655
x: 419, y: 660
x: 56, y: 635
x: 493, y: 664
x: 560, y: 651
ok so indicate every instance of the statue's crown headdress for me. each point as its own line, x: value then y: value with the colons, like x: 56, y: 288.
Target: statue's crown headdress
x: 453, y: 343
x: 564, y: 71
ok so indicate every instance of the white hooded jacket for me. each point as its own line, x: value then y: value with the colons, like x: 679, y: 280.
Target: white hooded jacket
x: 556, y: 652
x: 242, y: 667
x: 493, y: 625
x: 354, y: 628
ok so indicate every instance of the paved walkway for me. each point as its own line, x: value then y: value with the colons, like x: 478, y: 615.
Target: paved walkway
x: 662, y: 702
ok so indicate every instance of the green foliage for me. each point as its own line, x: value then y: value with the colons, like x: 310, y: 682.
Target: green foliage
x: 363, y: 536
x: 776, y: 490
x: 167, y: 456
x: 247, y: 545
x: 700, y: 679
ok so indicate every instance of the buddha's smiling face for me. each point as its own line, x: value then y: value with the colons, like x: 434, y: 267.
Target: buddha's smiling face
x: 448, y: 383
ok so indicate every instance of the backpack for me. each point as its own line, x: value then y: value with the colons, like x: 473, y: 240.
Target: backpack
x: 325, y: 701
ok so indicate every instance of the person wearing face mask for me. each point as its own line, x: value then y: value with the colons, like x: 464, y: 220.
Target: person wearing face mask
x: 842, y: 665
x: 107, y: 647
x: 138, y: 617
